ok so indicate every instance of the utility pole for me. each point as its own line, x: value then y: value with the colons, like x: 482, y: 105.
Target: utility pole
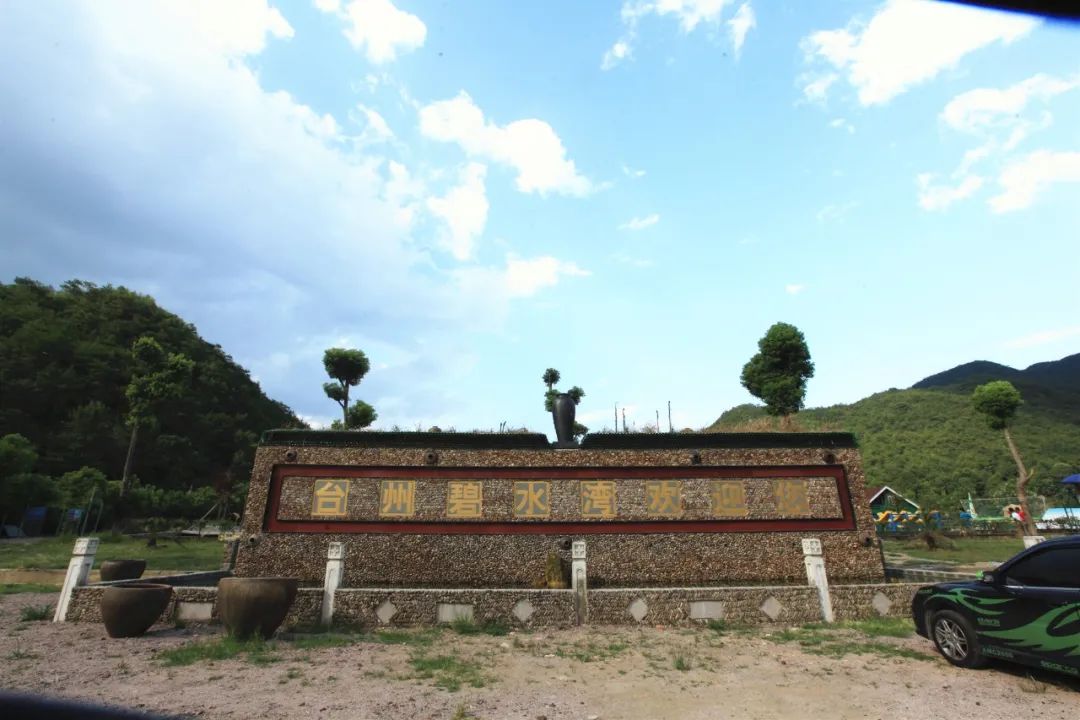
x: 657, y: 421
x: 616, y: 417
x: 670, y: 429
x: 624, y: 419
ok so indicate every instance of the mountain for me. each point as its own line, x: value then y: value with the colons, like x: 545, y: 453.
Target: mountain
x: 65, y: 362
x: 929, y: 443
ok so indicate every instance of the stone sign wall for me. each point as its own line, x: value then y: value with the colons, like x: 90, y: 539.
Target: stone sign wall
x: 471, y: 510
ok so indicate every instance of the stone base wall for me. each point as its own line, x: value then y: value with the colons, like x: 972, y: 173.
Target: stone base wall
x: 397, y: 607
x: 861, y: 602
x: 529, y: 608
x: 86, y: 602
x: 662, y: 559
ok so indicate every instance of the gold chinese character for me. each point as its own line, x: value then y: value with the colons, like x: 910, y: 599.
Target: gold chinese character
x: 464, y: 499
x: 792, y: 497
x: 663, y: 497
x: 329, y: 497
x: 728, y: 498
x: 397, y: 498
x: 532, y: 498
x: 598, y: 498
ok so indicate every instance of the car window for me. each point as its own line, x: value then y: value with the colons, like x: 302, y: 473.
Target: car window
x: 1059, y: 567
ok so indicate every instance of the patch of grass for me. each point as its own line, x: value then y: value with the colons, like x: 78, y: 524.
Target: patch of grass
x: 53, y: 553
x: 964, y: 550
x: 466, y: 626
x: 257, y: 651
x: 817, y: 639
x: 897, y: 627
x: 591, y: 651
x: 462, y: 714
x: 448, y: 672
x: 17, y: 588
x: 19, y: 654
x: 717, y: 626
x: 35, y: 613
x: 421, y: 638
x: 681, y: 663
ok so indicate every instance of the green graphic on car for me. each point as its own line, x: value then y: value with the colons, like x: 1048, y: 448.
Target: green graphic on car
x: 1044, y: 633
x: 972, y: 600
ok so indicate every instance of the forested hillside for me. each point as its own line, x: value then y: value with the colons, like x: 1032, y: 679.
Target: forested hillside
x: 929, y: 442
x: 65, y: 363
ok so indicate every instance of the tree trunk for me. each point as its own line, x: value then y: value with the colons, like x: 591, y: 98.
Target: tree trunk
x: 345, y: 407
x: 1021, y: 484
x: 125, y: 483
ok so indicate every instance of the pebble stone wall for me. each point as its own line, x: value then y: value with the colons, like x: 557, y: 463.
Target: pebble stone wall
x: 388, y: 607
x: 403, y: 560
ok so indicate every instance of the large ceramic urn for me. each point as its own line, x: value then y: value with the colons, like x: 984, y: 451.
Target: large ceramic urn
x: 129, y: 610
x: 112, y: 570
x: 255, y: 605
x: 564, y: 410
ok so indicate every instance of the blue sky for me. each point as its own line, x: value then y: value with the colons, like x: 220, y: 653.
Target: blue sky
x: 630, y: 192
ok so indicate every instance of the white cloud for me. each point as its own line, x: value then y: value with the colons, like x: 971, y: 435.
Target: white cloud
x: 378, y: 28
x: 615, y: 55
x: 1023, y: 179
x: 375, y: 128
x: 817, y: 90
x: 464, y: 209
x: 988, y: 108
x: 689, y: 13
x: 908, y: 42
x: 640, y: 223
x: 529, y: 146
x: 1044, y: 337
x: 741, y: 24
x: 518, y: 278
x: 842, y: 124
x: 632, y: 173
x: 794, y: 289
x: 939, y: 197
x: 158, y: 160
x: 832, y: 213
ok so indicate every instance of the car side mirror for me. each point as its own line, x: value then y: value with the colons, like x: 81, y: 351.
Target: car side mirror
x: 988, y: 577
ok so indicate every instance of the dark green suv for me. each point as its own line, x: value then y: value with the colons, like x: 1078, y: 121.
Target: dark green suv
x: 1026, y: 610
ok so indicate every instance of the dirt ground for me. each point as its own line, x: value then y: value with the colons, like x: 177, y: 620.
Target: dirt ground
x: 595, y: 673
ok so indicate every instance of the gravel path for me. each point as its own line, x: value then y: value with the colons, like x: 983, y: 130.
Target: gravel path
x: 605, y: 673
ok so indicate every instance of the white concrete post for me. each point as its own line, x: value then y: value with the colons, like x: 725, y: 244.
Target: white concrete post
x: 815, y: 575
x: 579, y: 580
x: 1033, y: 540
x: 82, y: 559
x: 335, y: 556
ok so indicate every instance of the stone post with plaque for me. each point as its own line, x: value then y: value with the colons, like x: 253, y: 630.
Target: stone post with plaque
x: 82, y: 559
x: 815, y: 575
x: 335, y: 562
x: 579, y: 581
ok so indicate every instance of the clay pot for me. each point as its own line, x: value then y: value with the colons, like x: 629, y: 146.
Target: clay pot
x: 253, y: 605
x: 563, y: 411
x: 129, y: 610
x: 122, y: 570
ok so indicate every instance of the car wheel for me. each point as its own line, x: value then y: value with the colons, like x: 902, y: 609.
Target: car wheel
x: 955, y: 639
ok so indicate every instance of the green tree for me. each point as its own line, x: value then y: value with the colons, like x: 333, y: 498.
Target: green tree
x: 360, y: 415
x: 777, y: 374
x: 77, y: 486
x: 998, y: 402
x: 157, y: 377
x: 347, y: 368
x: 19, y: 487
x: 551, y: 378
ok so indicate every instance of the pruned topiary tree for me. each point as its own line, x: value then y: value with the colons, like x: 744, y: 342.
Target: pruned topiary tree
x: 998, y: 402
